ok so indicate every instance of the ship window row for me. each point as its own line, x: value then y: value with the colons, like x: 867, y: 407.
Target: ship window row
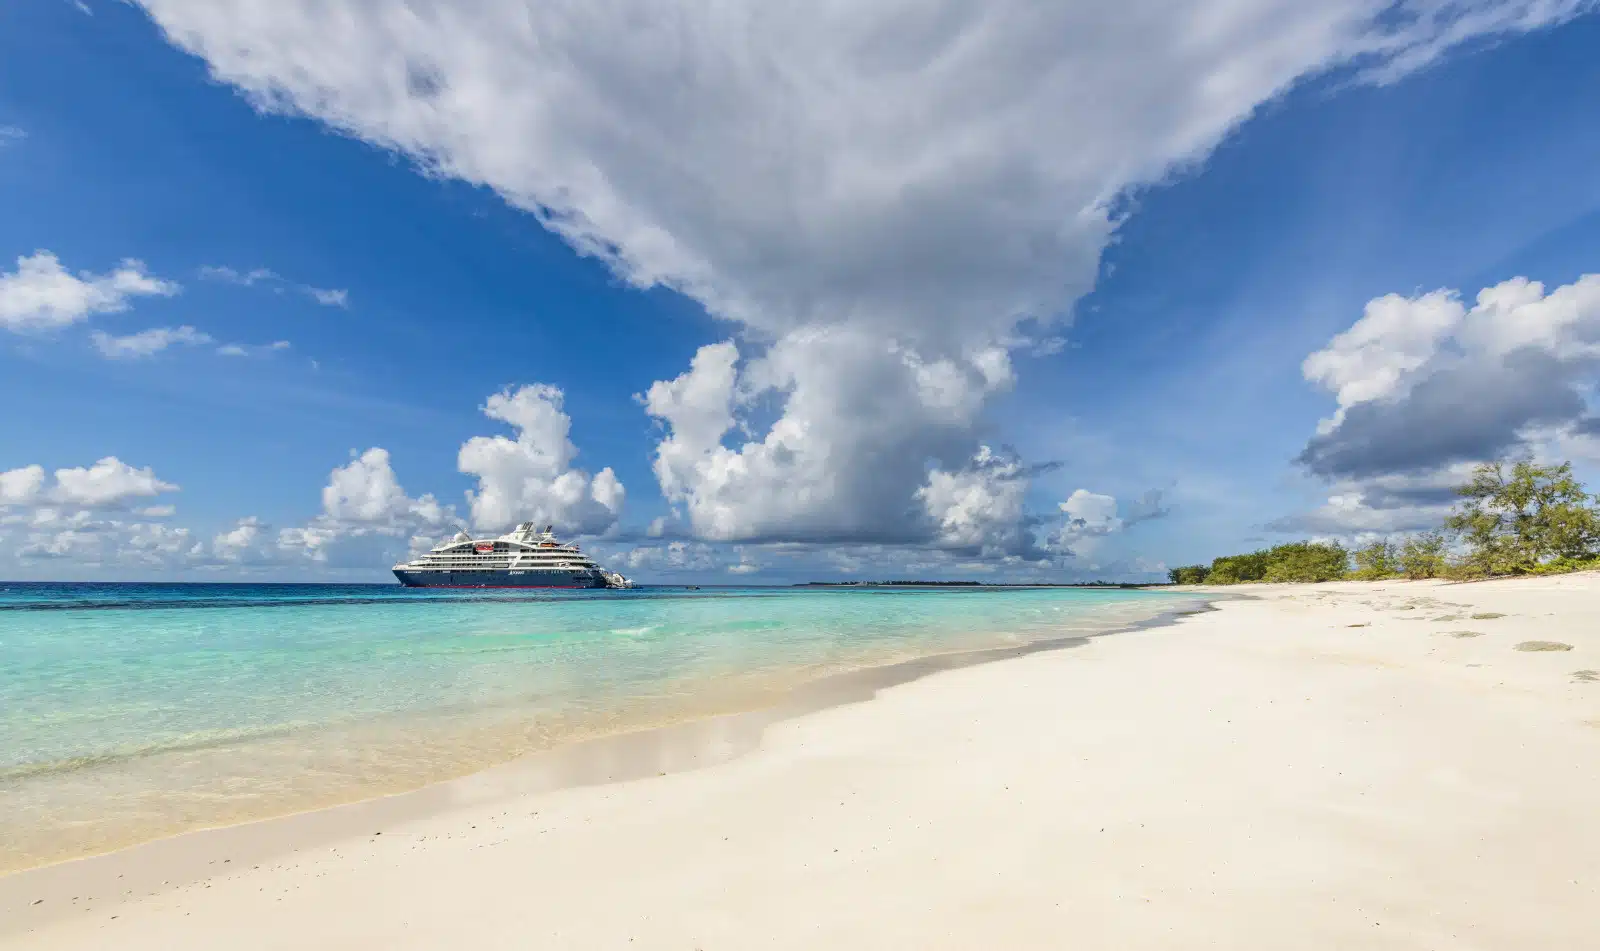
x: 536, y: 559
x: 512, y: 551
x: 531, y: 553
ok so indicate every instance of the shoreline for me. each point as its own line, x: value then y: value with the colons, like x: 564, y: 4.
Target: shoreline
x: 174, y: 861
x: 434, y: 693
x: 1302, y: 765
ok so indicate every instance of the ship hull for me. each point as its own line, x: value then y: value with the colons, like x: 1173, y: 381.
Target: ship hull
x: 499, y: 578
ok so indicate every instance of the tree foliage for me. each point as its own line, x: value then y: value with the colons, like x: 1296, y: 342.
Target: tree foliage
x: 1376, y: 561
x: 1307, y: 561
x: 1296, y: 561
x: 1423, y: 556
x: 1234, y: 569
x: 1518, y: 522
x: 1189, y: 574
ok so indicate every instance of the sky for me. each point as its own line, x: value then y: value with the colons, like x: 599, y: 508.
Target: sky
x: 998, y: 291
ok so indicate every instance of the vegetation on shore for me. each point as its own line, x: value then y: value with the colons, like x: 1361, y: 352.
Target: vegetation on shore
x: 1525, y: 519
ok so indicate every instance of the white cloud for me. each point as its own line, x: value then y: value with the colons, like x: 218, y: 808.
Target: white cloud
x: 1394, y: 336
x: 744, y: 566
x: 21, y: 486
x: 980, y: 506
x: 530, y: 477
x: 87, y: 515
x: 861, y: 420
x: 76, y: 513
x: 683, y: 559
x: 671, y: 557
x: 146, y: 342
x: 1382, y: 504
x: 154, y: 544
x: 921, y: 168
x: 109, y: 482
x: 366, y: 490
x: 363, y: 499
x: 42, y: 295
x: 1351, y: 514
x: 95, y: 542
x: 234, y: 276
x: 328, y: 297
x: 247, y: 350
x: 1089, y: 517
x: 244, y: 542
x: 1426, y: 386
x: 1426, y: 382
x: 877, y: 192
x: 10, y: 134
x: 77, y: 544
x: 1094, y: 512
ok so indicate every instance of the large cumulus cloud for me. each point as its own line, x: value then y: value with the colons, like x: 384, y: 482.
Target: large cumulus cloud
x: 530, y: 476
x: 1426, y: 386
x: 1425, y: 382
x: 877, y: 194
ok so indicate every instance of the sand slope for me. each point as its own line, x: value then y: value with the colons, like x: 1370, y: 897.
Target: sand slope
x: 1265, y: 776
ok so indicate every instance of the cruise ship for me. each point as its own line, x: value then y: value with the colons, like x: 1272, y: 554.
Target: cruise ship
x: 523, y: 558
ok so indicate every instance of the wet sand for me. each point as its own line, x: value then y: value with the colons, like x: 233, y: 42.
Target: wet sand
x: 1309, y: 767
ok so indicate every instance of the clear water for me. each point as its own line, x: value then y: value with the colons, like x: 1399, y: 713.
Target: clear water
x: 130, y: 711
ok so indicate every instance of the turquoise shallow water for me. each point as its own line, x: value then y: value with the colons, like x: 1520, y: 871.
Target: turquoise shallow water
x: 132, y: 711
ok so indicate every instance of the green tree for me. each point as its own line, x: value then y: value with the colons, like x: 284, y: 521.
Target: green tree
x: 1422, y: 556
x: 1306, y: 561
x: 1233, y: 569
x: 1376, y: 561
x: 1189, y: 574
x: 1515, y: 523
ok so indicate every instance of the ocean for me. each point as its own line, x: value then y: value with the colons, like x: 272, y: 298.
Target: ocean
x: 134, y: 711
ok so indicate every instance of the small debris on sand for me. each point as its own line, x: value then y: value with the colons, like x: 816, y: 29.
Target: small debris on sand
x: 1466, y: 633
x: 1487, y: 616
x: 1587, y: 676
x: 1543, y: 646
x: 1368, y: 624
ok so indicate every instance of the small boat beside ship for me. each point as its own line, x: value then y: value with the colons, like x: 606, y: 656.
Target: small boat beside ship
x: 522, y: 558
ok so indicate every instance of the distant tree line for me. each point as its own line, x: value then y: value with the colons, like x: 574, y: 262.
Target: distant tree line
x: 1525, y: 519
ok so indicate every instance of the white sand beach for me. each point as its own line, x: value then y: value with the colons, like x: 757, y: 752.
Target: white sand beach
x: 1321, y: 766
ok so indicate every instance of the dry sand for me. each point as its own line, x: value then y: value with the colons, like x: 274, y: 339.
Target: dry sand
x: 1332, y: 767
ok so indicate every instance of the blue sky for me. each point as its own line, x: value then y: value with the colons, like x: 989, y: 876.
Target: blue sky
x: 992, y: 327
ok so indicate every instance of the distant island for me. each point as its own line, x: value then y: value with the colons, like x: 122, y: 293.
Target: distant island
x: 971, y: 584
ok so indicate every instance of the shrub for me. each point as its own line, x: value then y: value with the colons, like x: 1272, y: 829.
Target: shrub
x: 1189, y: 574
x: 1307, y: 561
x: 1234, y: 569
x: 1376, y: 561
x: 1422, y: 556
